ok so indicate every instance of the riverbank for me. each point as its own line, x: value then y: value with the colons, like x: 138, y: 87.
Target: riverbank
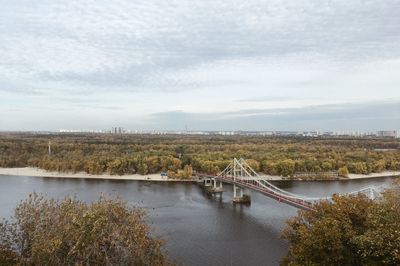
x: 36, y: 172
x: 374, y: 175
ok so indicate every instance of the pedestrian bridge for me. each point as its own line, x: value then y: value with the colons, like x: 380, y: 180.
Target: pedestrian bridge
x: 242, y: 176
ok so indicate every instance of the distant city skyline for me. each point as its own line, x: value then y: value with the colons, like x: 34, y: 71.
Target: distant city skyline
x: 210, y: 65
x: 307, y: 133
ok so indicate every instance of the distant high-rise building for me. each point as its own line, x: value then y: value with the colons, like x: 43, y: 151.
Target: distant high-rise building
x: 387, y: 133
x: 117, y: 130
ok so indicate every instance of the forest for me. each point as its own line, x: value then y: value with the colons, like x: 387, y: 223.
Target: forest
x: 180, y: 154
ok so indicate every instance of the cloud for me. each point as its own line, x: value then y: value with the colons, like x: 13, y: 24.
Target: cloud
x: 268, y: 99
x: 199, y: 57
x: 123, y: 44
x: 355, y: 116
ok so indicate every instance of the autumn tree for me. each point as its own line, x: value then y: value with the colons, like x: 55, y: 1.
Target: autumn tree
x: 255, y: 165
x: 358, y: 168
x: 70, y: 232
x: 379, y: 166
x: 153, y: 164
x: 269, y: 167
x: 144, y: 154
x: 343, y: 171
x: 350, y: 230
x: 381, y: 241
x: 286, y: 167
x: 186, y: 173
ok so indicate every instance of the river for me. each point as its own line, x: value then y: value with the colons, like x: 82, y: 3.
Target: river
x: 199, y: 230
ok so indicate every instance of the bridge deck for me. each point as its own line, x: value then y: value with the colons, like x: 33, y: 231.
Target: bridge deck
x: 239, y: 173
x: 241, y: 183
x: 293, y: 202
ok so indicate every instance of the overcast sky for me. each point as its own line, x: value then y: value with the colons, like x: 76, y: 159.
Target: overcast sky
x: 211, y: 65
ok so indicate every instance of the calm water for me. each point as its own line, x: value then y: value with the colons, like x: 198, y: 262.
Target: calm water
x: 199, y: 230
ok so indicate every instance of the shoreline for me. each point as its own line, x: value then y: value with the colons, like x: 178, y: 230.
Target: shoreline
x: 37, y: 172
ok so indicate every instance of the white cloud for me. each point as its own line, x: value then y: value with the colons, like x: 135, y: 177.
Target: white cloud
x: 197, y: 56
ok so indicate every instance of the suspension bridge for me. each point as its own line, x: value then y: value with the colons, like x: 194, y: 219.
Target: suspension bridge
x: 239, y: 174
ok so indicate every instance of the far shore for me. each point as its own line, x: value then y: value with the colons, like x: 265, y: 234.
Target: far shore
x: 37, y: 172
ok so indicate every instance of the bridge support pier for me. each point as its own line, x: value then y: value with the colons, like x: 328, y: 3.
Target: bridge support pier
x: 239, y: 197
x: 212, y: 187
x: 215, y: 182
x: 208, y: 182
x: 235, y: 194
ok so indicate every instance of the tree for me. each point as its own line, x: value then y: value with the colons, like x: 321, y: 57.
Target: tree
x: 75, y: 166
x: 379, y: 166
x: 350, y: 230
x: 343, y: 171
x: 186, y: 173
x: 380, y: 243
x: 70, y: 232
x: 324, y: 236
x: 255, y: 165
x: 176, y: 164
x: 153, y: 164
x: 326, y: 166
x: 358, y: 168
x: 286, y: 167
x: 97, y: 154
x: 94, y: 167
x: 142, y: 169
x: 269, y: 167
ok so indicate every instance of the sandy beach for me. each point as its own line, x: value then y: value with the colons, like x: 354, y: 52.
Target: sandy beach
x: 373, y: 175
x: 31, y: 171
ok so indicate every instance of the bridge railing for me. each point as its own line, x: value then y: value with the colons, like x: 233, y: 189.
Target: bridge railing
x: 251, y: 179
x: 253, y: 176
x: 242, y: 164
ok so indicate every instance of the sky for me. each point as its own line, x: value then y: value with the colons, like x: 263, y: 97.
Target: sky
x: 200, y: 65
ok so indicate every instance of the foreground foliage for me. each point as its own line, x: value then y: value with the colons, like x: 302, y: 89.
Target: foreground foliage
x: 179, y: 155
x: 70, y: 232
x: 350, y: 231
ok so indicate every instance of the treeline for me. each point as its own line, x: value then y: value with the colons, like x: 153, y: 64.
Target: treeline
x: 179, y: 155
